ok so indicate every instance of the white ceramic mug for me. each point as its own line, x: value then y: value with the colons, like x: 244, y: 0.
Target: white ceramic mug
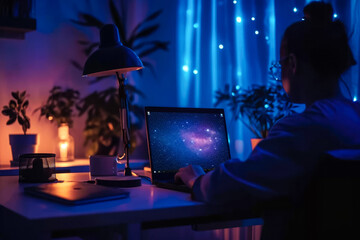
x: 103, y: 165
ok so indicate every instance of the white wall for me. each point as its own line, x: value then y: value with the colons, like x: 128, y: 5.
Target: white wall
x: 42, y: 60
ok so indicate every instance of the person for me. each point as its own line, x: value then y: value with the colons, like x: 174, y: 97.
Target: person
x: 314, y: 53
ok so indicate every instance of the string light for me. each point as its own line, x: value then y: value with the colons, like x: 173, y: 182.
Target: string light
x: 355, y: 99
x: 295, y: 9
x: 185, y: 68
x: 196, y: 25
x: 253, y: 19
x: 256, y: 32
x: 335, y: 15
x: 195, y: 71
x: 221, y: 46
x: 234, y: 2
x: 238, y: 19
x: 267, y: 38
x: 237, y: 87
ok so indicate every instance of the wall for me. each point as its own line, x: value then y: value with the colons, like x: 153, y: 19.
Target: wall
x: 42, y: 60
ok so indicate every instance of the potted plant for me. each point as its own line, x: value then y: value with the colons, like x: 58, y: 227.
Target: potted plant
x: 16, y: 111
x: 258, y: 107
x: 136, y: 39
x: 59, y: 108
x: 102, y: 127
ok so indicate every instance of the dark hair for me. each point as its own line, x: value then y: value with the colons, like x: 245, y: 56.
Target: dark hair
x: 320, y: 40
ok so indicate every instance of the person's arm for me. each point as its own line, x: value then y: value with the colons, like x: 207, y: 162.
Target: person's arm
x: 280, y: 166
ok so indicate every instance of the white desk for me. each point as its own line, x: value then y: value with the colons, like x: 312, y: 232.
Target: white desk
x: 26, y: 217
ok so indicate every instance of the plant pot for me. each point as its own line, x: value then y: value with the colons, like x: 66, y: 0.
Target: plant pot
x: 254, y: 142
x: 21, y: 144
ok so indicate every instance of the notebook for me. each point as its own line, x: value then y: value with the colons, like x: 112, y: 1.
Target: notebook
x: 75, y: 193
x: 178, y: 137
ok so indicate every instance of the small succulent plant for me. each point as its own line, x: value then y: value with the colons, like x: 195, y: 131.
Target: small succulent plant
x: 17, y: 110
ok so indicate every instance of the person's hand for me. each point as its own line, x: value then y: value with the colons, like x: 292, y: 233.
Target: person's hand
x: 189, y: 174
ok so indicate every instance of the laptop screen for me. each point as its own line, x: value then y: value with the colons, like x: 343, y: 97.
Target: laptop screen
x: 178, y: 137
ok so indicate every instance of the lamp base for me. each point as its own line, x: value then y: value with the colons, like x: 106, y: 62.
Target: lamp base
x: 127, y: 171
x: 119, y: 181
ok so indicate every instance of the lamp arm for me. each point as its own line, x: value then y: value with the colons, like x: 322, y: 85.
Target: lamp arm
x: 124, y: 120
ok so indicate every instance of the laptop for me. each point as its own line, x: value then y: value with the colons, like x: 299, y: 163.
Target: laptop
x: 178, y: 137
x: 75, y: 193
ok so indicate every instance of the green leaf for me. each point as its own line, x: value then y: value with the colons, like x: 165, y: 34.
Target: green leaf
x: 15, y: 95
x: 149, y: 18
x: 91, y: 20
x: 12, y: 104
x: 153, y: 16
x: 143, y: 33
x: 90, y: 48
x: 22, y: 95
x: 26, y: 104
x: 118, y: 22
x: 7, y: 112
x: 11, y: 120
x: 77, y: 65
x: 148, y: 51
x: 160, y: 44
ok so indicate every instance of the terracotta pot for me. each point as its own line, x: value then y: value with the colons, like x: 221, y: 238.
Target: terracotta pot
x: 21, y: 144
x: 254, y: 142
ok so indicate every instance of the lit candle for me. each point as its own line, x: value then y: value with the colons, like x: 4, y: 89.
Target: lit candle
x: 63, y: 150
x: 65, y: 144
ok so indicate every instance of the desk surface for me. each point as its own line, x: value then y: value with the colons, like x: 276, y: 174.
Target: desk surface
x: 145, y: 204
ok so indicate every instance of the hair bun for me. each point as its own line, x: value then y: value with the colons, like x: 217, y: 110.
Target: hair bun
x: 319, y: 13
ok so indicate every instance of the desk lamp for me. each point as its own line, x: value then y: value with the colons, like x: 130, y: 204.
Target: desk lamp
x: 113, y: 57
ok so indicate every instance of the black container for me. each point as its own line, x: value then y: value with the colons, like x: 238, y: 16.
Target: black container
x: 37, y: 167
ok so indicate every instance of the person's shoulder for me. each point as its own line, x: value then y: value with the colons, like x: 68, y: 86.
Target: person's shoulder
x: 332, y: 103
x: 333, y: 107
x: 324, y: 108
x: 320, y: 113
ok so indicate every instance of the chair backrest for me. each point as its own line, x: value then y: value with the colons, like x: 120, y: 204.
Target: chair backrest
x: 331, y: 205
x: 336, y: 189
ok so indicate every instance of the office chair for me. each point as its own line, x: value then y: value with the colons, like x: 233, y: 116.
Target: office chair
x: 331, y: 204
x: 330, y: 208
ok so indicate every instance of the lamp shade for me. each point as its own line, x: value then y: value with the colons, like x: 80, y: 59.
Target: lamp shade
x: 112, y: 56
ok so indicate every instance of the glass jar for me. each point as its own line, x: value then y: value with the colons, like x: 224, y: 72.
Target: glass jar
x: 64, y: 144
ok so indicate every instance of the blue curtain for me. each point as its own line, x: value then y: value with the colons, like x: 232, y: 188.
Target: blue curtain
x: 234, y: 42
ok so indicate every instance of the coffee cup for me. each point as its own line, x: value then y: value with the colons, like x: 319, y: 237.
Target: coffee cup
x: 103, y: 165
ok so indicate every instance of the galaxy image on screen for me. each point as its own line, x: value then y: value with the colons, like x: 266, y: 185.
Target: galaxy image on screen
x: 178, y: 139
